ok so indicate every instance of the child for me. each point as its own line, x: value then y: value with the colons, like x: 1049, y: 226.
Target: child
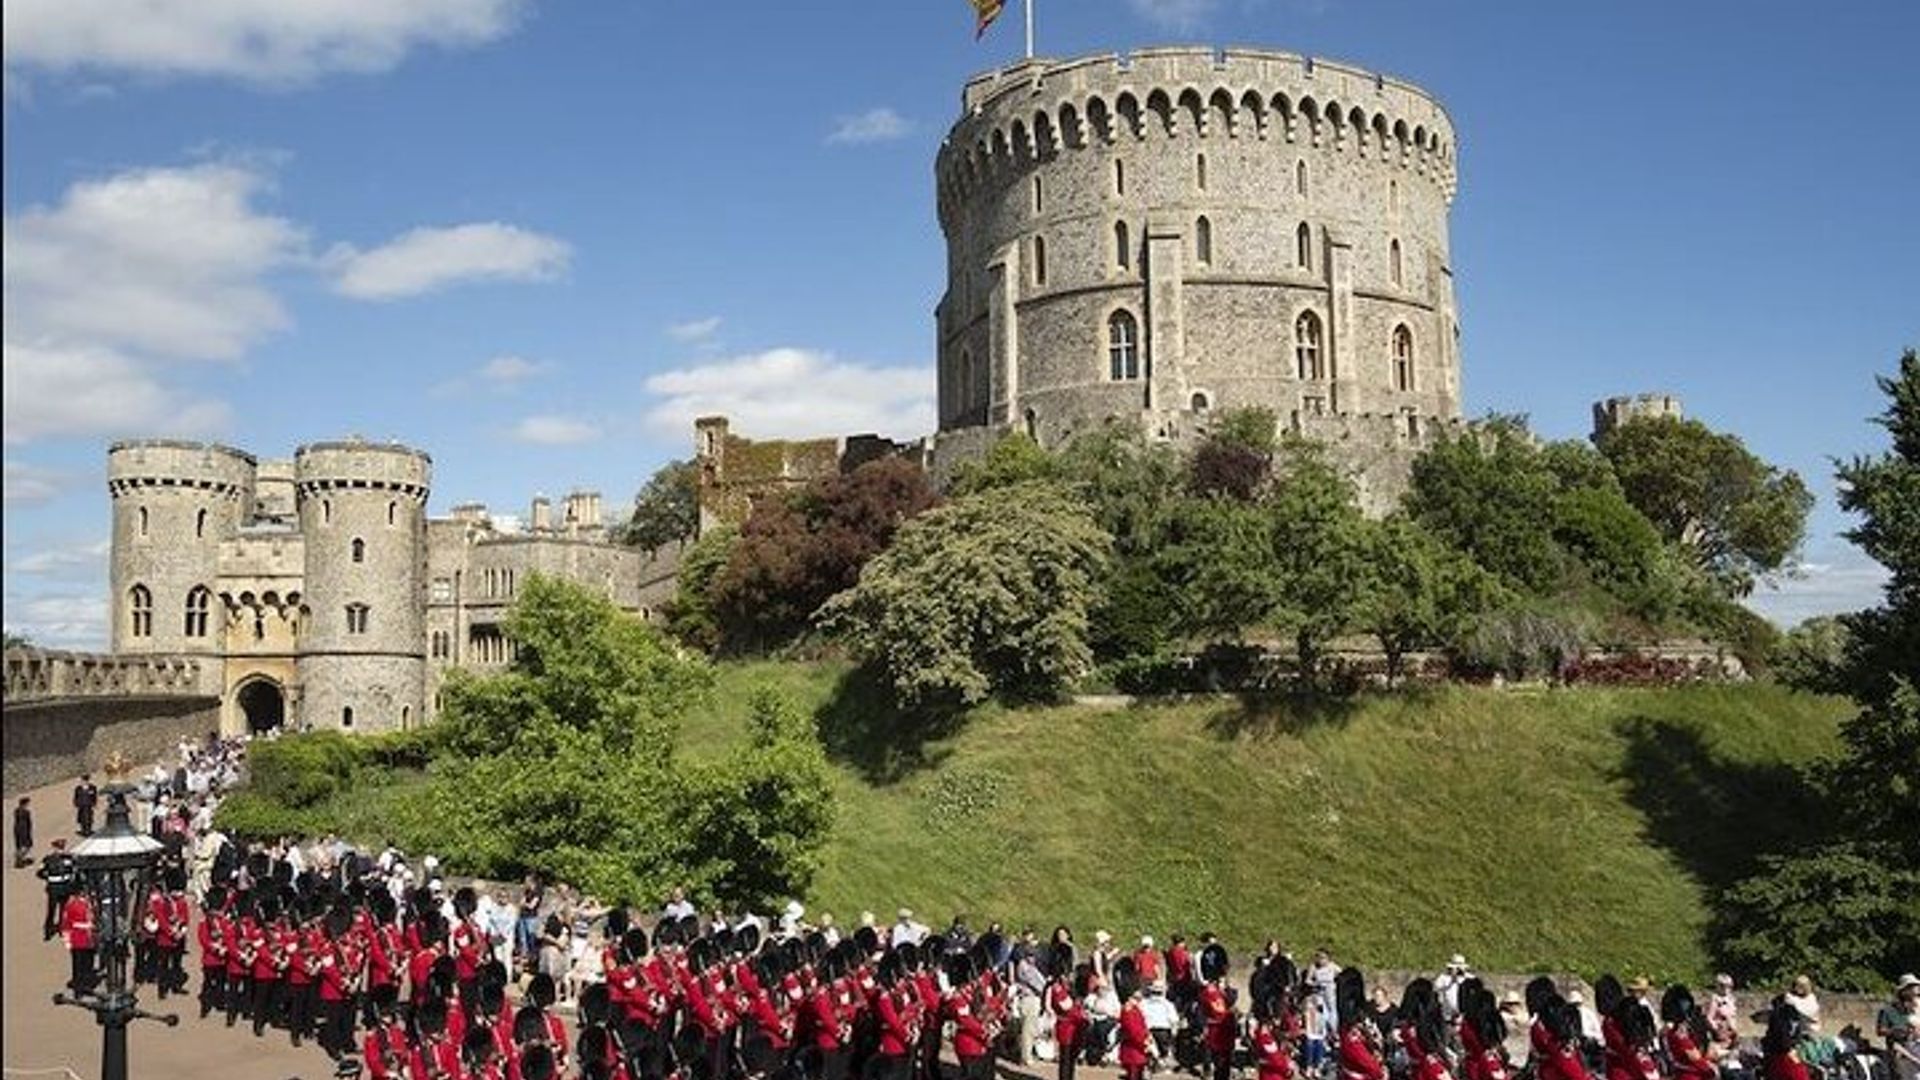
x: 1316, y: 1028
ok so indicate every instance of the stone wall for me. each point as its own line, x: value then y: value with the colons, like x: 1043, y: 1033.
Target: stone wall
x: 54, y: 740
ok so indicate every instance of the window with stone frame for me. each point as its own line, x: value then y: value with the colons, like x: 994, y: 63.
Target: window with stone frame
x: 1123, y: 347
x: 357, y: 618
x: 1309, y: 362
x: 140, y: 612
x: 199, y: 598
x: 1402, y: 359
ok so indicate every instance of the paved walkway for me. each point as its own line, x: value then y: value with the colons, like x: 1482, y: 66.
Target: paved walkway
x: 42, y: 1039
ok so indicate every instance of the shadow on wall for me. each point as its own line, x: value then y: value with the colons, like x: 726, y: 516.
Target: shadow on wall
x: 862, y: 728
x: 1717, y: 816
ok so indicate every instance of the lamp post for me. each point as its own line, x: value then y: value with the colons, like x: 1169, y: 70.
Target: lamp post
x: 115, y: 870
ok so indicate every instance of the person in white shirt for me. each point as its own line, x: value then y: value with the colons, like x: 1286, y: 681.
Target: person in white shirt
x: 677, y: 906
x: 790, y: 919
x: 828, y: 931
x: 1802, y: 997
x: 906, y: 931
x: 1589, y: 1017
x: 1448, y: 984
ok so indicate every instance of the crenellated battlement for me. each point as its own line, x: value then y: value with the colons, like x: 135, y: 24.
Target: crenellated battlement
x: 134, y: 465
x: 1379, y: 429
x: 355, y: 465
x: 1031, y: 112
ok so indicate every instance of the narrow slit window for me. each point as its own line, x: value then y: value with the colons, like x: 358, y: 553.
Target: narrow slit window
x: 1122, y: 246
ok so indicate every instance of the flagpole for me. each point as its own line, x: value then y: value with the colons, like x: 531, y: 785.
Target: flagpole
x: 1029, y: 29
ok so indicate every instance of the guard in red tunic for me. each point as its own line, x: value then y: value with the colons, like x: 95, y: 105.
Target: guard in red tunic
x: 1631, y: 1042
x: 1216, y: 1011
x: 1136, y: 1042
x: 541, y: 993
x: 268, y: 952
x: 1069, y: 1016
x: 1686, y: 1036
x: 1557, y: 1027
x: 1359, y: 1052
x: 436, y: 1054
x: 1483, y: 1034
x: 297, y: 943
x: 1272, y: 1055
x: 826, y: 1027
x: 1780, y: 1045
x: 242, y: 937
x: 385, y: 1051
x: 335, y: 963
x: 173, y: 949
x: 211, y: 936
x: 897, y: 1006
x: 1423, y: 1031
x: 972, y: 1046
x: 76, y: 929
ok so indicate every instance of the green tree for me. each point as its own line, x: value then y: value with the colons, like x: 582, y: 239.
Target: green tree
x: 689, y: 616
x: 1318, y: 538
x: 1844, y: 908
x: 667, y: 510
x: 1130, y: 484
x: 1218, y: 561
x: 1420, y: 593
x: 1489, y: 494
x: 1813, y: 655
x: 18, y: 641
x: 1013, y: 459
x: 1704, y: 490
x: 566, y: 763
x: 989, y: 594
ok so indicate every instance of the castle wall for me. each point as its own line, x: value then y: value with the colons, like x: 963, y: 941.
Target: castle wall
x: 262, y: 575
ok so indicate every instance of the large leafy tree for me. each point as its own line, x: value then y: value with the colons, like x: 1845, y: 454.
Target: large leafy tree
x: 1318, y: 549
x: 566, y: 763
x: 1739, y: 516
x: 667, y: 510
x: 794, y: 553
x: 1489, y: 494
x: 1420, y: 593
x: 1844, y: 909
x: 989, y: 594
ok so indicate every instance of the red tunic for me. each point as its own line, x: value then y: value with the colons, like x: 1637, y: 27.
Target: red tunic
x: 467, y: 946
x: 1069, y: 1019
x: 1357, y: 1059
x: 1688, y: 1062
x: 266, y: 965
x: 419, y: 968
x: 76, y: 922
x: 1147, y: 963
x: 333, y: 976
x: 896, y: 1034
x: 296, y: 947
x: 969, y: 1034
x: 1270, y: 1054
x: 1221, y: 1029
x: 213, y: 943
x: 1488, y: 1064
x: 1561, y: 1061
x: 380, y: 1044
x: 822, y: 1019
x: 1134, y: 1038
x: 1787, y: 1066
x: 239, y: 933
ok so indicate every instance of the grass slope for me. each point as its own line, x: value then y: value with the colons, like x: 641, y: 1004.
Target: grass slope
x: 1567, y: 830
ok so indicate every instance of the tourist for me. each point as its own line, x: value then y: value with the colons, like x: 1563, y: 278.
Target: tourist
x: 1103, y: 955
x: 906, y: 931
x: 1801, y: 996
x: 1723, y: 1013
x: 677, y: 907
x: 1447, y: 985
x: 1898, y: 1024
x: 1102, y: 1004
x: 22, y: 834
x: 1320, y: 977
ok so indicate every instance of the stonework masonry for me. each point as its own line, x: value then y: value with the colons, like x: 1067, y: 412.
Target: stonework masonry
x: 319, y: 593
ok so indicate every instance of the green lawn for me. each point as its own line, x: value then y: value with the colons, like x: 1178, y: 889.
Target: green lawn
x: 1578, y: 830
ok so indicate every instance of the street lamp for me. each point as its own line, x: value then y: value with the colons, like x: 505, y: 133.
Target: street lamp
x: 115, y: 872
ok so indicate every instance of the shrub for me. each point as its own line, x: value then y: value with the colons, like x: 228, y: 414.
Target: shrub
x: 251, y: 815
x: 299, y: 771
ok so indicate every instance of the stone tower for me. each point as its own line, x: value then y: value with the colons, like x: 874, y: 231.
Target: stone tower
x: 173, y: 504
x: 1614, y: 411
x: 362, y: 513
x: 1153, y: 237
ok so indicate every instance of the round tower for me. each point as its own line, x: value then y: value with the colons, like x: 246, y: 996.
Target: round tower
x: 1158, y: 235
x: 173, y: 504
x: 362, y: 512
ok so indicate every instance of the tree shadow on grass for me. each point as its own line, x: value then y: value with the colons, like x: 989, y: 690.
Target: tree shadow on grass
x: 1717, y: 816
x: 1264, y: 715
x: 863, y: 729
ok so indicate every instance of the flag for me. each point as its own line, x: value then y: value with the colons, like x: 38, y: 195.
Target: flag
x: 987, y: 10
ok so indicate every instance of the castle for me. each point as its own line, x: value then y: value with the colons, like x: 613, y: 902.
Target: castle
x: 319, y: 588
x: 1153, y: 238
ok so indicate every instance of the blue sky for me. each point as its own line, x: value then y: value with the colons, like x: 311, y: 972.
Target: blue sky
x: 534, y: 238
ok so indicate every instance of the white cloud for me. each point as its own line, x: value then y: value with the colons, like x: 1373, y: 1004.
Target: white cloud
x: 506, y: 370
x: 53, y: 390
x: 694, y: 329
x: 87, y: 562
x: 1849, y: 582
x: 165, y: 261
x: 874, y: 125
x: 1174, y: 14
x: 784, y: 393
x: 555, y: 430
x: 425, y: 259
x: 60, y: 621
x: 27, y: 484
x: 269, y: 41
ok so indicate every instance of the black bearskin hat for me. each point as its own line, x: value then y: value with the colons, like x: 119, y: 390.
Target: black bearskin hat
x: 1060, y: 960
x: 595, y: 1004
x: 1634, y: 1020
x: 478, y: 1045
x: 385, y: 997
x: 529, y: 1025
x: 596, y: 1044
x: 541, y: 991
x: 494, y: 972
x: 1562, y: 1020
x: 747, y: 941
x: 618, y: 919
x: 1213, y: 962
x: 431, y: 1015
x: 1676, y: 1005
x: 1350, y: 996
x: 1126, y: 978
x: 868, y: 939
x: 1539, y: 991
x: 537, y: 1063
x: 1607, y: 993
x: 492, y: 996
x: 1784, y: 1024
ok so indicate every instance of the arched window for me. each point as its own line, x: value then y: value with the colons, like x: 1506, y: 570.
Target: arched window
x: 1119, y: 177
x: 1402, y: 359
x: 963, y: 392
x: 198, y: 599
x: 359, y: 550
x: 1200, y: 171
x: 143, y: 521
x: 1203, y: 241
x: 140, y: 610
x: 1122, y: 246
x: 346, y: 716
x: 1300, y: 177
x: 1033, y: 425
x: 200, y: 522
x: 1039, y: 260
x: 1200, y: 402
x: 1123, y: 346
x: 393, y: 513
x: 1393, y: 263
x: 406, y: 717
x: 1038, y: 201
x: 1303, y: 245
x: 356, y: 618
x: 1306, y: 346
x: 326, y: 511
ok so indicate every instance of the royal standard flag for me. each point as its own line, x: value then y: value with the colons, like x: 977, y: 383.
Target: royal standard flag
x: 987, y: 11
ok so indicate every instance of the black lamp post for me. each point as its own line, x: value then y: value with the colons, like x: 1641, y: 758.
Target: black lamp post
x: 115, y: 871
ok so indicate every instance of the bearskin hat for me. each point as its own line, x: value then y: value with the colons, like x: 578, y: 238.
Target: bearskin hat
x: 465, y: 901
x: 541, y: 991
x: 618, y: 919
x: 491, y: 996
x: 1213, y: 962
x: 1676, y: 1005
x: 1607, y: 993
x: 1539, y: 990
x: 1126, y: 978
x: 529, y: 1025
x: 1350, y: 996
x: 537, y: 1063
x: 385, y: 997
x: 477, y: 1047
x: 596, y: 1003
x: 431, y: 1015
